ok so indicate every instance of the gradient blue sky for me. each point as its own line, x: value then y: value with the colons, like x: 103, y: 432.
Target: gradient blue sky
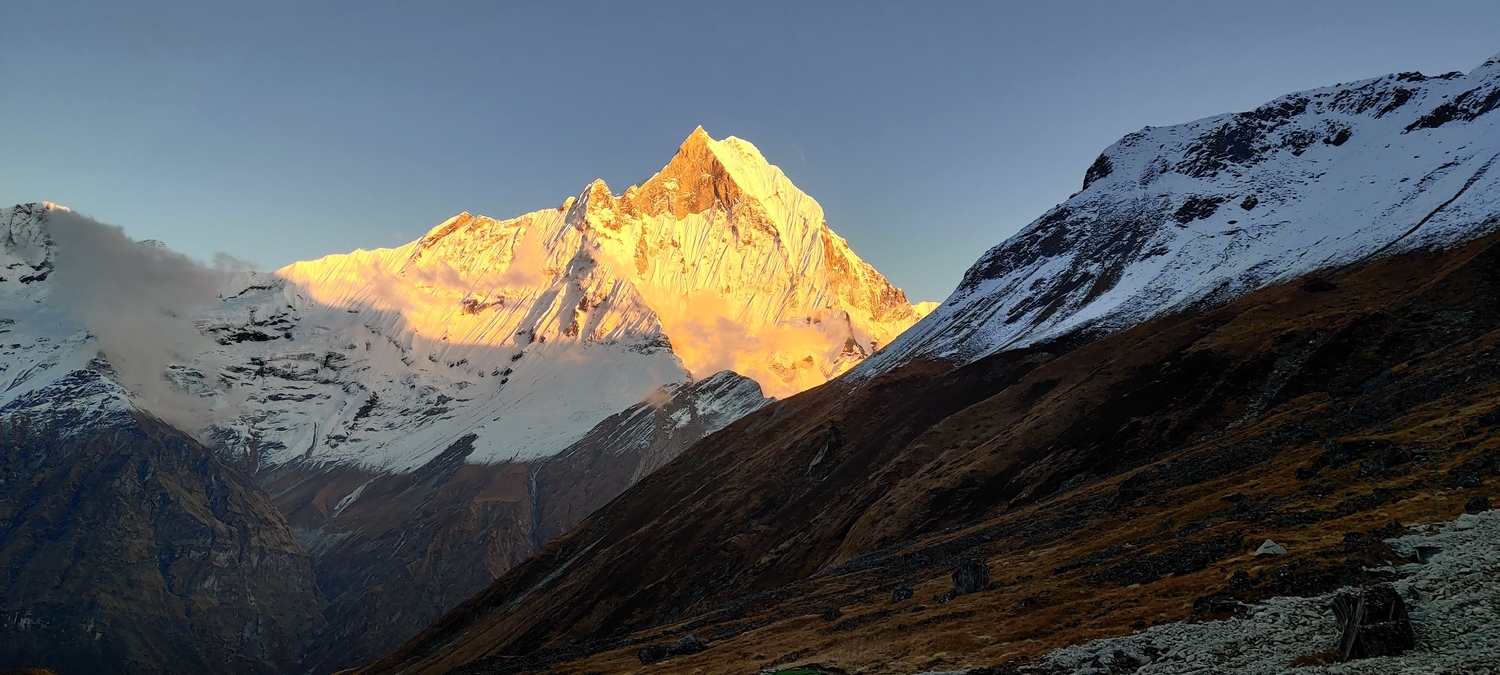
x: 928, y: 131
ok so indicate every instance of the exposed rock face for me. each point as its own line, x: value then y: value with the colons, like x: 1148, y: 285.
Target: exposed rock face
x: 1209, y: 210
x: 127, y: 547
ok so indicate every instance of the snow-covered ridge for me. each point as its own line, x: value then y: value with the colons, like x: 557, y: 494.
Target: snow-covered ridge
x: 43, y: 361
x: 525, y: 332
x: 1212, y: 209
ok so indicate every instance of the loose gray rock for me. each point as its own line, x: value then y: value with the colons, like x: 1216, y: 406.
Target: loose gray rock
x: 1270, y: 548
x: 1453, y: 603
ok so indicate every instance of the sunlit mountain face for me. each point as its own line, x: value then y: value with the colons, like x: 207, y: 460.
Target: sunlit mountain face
x: 528, y: 331
x: 718, y: 252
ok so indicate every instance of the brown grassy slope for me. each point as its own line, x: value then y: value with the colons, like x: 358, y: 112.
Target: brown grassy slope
x: 1090, y: 478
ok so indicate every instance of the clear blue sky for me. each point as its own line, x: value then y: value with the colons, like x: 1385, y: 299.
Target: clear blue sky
x: 929, y: 131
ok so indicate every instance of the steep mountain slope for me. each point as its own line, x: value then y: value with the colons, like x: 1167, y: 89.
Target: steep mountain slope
x: 1208, y: 210
x: 1079, y: 466
x: 126, y: 545
x: 132, y: 549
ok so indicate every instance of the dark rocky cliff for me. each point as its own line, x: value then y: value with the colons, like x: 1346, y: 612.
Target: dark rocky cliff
x: 133, y: 549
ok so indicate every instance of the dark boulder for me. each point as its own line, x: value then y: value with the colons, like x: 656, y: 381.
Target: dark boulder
x: 901, y: 593
x: 1240, y: 581
x: 972, y: 576
x: 1390, y: 456
x: 689, y: 644
x: 1467, y: 479
x: 1478, y: 504
x: 832, y: 613
x: 650, y: 654
x: 1373, y: 622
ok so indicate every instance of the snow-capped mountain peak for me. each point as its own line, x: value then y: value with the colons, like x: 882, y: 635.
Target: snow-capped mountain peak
x: 719, y: 252
x: 1217, y: 207
x: 527, y: 332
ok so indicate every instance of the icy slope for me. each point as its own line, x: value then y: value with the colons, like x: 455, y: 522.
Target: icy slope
x: 1212, y: 209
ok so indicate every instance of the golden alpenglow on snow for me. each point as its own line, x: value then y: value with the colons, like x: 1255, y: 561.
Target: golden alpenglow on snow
x: 719, y: 253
